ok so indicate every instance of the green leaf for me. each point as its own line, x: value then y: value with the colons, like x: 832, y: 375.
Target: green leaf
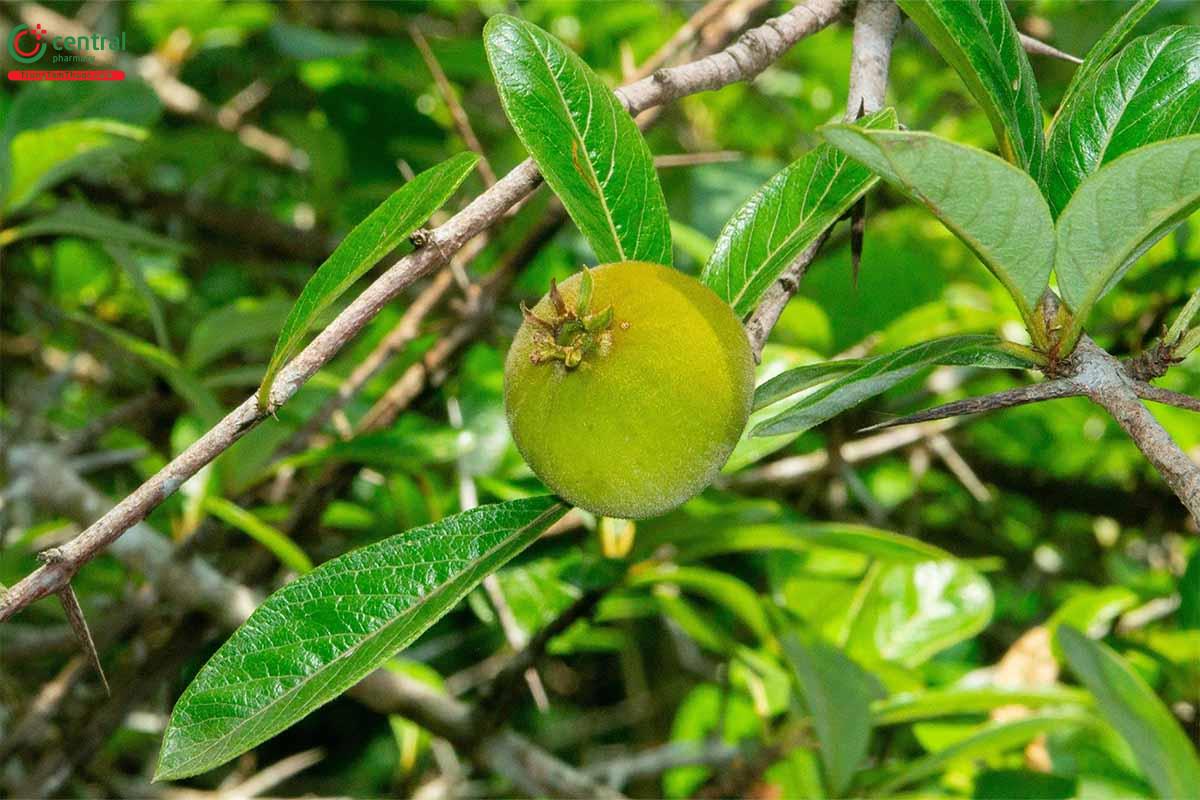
x: 797, y: 380
x: 990, y: 740
x: 322, y: 633
x: 1120, y: 212
x: 41, y: 104
x: 277, y: 542
x: 310, y: 44
x: 908, y: 613
x: 1189, y: 594
x: 181, y: 380
x: 44, y: 157
x: 373, y: 238
x: 785, y: 216
x: 77, y: 219
x: 725, y: 590
x: 1159, y: 744
x: 1105, y: 46
x: 958, y: 700
x: 583, y: 140
x: 128, y: 261
x: 1147, y: 93
x: 838, y: 694
x: 708, y: 712
x: 797, y: 536
x: 1093, y: 610
x: 407, y: 445
x: 879, y: 374
x: 981, y: 42
x: 229, y: 328
x: 776, y: 358
x: 994, y: 208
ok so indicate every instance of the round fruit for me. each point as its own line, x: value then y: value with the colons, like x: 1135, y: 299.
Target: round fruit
x: 627, y: 387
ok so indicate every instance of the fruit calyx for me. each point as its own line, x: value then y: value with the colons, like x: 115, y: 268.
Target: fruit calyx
x: 571, y: 334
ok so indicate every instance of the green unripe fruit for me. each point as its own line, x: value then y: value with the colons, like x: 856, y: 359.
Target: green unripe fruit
x: 627, y: 388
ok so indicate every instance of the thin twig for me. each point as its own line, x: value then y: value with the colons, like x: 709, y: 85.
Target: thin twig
x: 618, y: 772
x: 686, y: 33
x: 246, y: 100
x: 696, y: 159
x: 1166, y: 396
x: 497, y: 697
x: 959, y: 467
x: 794, y: 469
x: 461, y: 121
x: 274, y: 775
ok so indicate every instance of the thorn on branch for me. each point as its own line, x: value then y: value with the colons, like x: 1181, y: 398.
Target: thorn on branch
x: 1039, y: 48
x: 1022, y: 395
x: 858, y: 229
x: 70, y: 604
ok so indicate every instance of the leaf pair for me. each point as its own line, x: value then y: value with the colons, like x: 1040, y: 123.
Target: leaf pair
x: 998, y: 211
x: 1114, y: 105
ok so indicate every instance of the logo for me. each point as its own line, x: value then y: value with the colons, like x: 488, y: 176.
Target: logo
x: 26, y: 45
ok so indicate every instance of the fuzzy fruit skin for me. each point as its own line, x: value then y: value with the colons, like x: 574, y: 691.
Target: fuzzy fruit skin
x: 645, y: 424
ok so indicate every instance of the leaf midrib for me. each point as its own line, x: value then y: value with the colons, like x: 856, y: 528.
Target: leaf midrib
x: 748, y: 279
x: 999, y: 270
x: 1113, y: 266
x: 571, y: 121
